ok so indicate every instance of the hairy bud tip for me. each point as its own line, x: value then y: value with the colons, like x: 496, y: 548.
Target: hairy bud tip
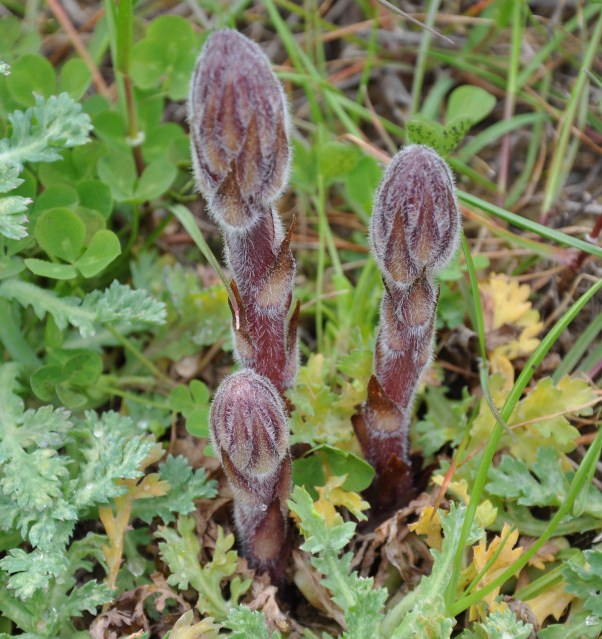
x: 249, y: 424
x: 415, y: 222
x: 239, y: 128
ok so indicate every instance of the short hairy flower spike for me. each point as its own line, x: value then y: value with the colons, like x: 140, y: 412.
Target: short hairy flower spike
x: 240, y: 149
x: 414, y: 234
x: 250, y: 434
x: 415, y: 221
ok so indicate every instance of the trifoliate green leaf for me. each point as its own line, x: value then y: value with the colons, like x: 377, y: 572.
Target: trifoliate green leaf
x: 193, y: 402
x: 166, y: 56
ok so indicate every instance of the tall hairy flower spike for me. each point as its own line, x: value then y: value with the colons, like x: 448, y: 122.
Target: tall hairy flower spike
x: 241, y: 154
x: 250, y: 433
x: 414, y: 234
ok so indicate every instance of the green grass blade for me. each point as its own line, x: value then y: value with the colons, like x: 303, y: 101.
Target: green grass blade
x: 585, y: 469
x: 529, y: 225
x: 583, y: 342
x: 558, y: 171
x: 420, y: 68
x: 515, y: 394
x: 476, y: 144
x: 592, y: 359
x: 187, y: 220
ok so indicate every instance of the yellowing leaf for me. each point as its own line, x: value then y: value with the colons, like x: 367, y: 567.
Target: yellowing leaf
x: 186, y: 628
x: 429, y: 524
x: 486, y: 511
x: 551, y: 602
x: 490, y: 561
x: 332, y: 495
x: 539, y: 419
x: 547, y: 552
x: 150, y: 486
x: 511, y: 324
x: 505, y: 301
x: 501, y: 365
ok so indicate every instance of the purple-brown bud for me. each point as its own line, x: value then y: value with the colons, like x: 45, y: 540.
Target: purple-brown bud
x: 249, y: 426
x: 250, y: 433
x: 415, y: 222
x: 239, y: 129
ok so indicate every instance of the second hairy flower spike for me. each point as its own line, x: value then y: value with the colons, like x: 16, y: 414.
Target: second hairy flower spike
x: 414, y: 234
x: 250, y: 434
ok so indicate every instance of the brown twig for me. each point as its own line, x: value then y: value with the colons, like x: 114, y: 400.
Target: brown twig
x: 78, y: 45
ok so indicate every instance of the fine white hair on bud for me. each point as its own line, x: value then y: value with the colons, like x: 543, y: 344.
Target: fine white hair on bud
x: 239, y: 129
x: 416, y: 221
x: 249, y: 424
x: 414, y: 233
x: 250, y: 433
